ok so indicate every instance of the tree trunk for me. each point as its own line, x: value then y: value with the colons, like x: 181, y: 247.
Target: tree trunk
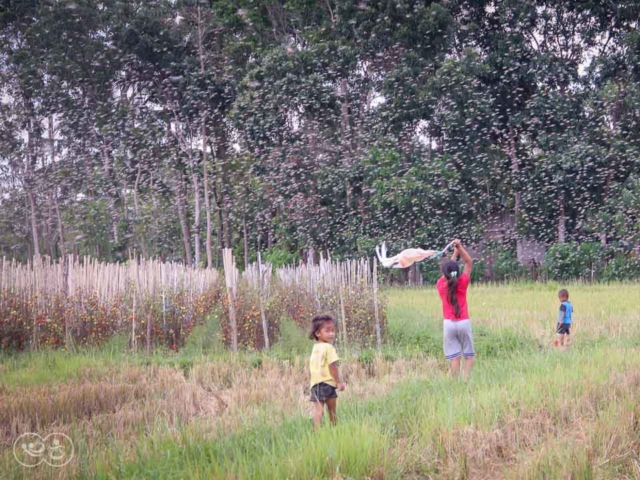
x: 196, y: 203
x: 63, y: 250
x: 182, y: 215
x: 48, y: 222
x: 27, y: 223
x: 605, y: 194
x: 207, y: 197
x: 219, y: 223
x: 343, y: 93
x: 47, y: 219
x: 29, y: 186
x: 51, y: 227
x: 221, y: 158
x: 112, y: 193
x: 515, y: 171
x: 156, y: 207
x: 88, y: 173
x: 136, y: 205
x: 244, y: 232
x: 180, y: 193
x: 34, y: 222
x: 562, y: 221
x: 226, y: 221
x: 217, y: 200
x: 207, y: 200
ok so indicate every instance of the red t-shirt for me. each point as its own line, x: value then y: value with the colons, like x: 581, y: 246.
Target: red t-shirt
x: 448, y: 311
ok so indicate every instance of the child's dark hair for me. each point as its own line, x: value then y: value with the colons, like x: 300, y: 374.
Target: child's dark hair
x: 317, y: 323
x: 563, y: 293
x: 451, y: 272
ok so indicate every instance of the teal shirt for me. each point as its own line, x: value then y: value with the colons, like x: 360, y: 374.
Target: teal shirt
x: 565, y: 315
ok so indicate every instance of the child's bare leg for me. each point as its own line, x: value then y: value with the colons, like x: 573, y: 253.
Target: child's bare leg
x: 317, y: 414
x: 454, y: 366
x: 567, y: 340
x: 467, y: 367
x: 332, y: 404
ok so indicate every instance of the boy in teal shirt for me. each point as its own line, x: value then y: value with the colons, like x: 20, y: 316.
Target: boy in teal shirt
x: 565, y: 318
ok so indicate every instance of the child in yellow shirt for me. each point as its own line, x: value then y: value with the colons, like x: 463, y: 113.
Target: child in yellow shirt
x: 323, y: 366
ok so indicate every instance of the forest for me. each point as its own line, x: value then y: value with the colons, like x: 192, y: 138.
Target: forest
x: 174, y: 129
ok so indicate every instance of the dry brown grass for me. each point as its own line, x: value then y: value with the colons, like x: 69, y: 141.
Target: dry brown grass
x: 517, y: 446
x: 107, y: 417
x: 213, y: 398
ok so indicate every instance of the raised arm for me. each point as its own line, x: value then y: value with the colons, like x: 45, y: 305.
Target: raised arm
x: 466, y: 258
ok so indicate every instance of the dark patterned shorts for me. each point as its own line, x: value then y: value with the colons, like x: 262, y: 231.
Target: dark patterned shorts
x: 563, y: 328
x: 321, y: 392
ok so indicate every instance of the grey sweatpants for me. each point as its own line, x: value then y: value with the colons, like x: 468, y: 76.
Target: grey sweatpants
x: 458, y: 339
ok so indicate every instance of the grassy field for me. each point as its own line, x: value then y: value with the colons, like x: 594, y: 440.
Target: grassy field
x: 528, y: 411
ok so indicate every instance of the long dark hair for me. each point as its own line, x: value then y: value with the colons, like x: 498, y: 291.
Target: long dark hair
x: 451, y: 272
x: 317, y: 323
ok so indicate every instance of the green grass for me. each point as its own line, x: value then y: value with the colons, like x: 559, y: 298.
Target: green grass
x: 53, y: 366
x: 364, y: 442
x: 528, y: 310
x: 528, y: 411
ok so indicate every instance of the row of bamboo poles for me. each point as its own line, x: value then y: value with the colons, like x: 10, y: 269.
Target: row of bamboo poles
x: 74, y: 283
x: 145, y: 296
x: 76, y: 275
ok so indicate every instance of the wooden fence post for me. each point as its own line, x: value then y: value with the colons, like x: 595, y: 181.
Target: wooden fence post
x: 263, y: 283
x: 231, y: 280
x: 375, y: 304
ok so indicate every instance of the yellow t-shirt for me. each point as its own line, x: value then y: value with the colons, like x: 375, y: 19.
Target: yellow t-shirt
x: 322, y: 355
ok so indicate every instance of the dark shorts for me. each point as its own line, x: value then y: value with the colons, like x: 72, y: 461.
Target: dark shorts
x: 321, y: 392
x: 563, y: 328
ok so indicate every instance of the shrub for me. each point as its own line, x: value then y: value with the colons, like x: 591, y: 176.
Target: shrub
x: 507, y: 267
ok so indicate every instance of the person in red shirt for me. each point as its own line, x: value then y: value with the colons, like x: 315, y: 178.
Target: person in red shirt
x: 452, y: 287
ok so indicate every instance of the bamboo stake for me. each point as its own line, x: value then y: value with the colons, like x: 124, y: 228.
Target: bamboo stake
x: 344, y: 317
x: 263, y: 294
x: 231, y: 279
x: 375, y: 304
